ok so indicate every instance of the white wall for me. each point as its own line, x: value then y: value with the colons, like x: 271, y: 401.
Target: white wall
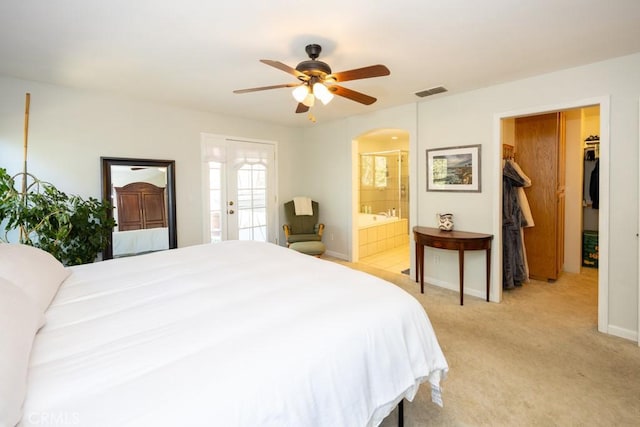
x: 468, y: 118
x: 327, y: 174
x: 70, y: 129
x: 615, y: 78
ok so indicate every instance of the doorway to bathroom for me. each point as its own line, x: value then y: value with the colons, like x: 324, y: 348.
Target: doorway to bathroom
x: 383, y: 200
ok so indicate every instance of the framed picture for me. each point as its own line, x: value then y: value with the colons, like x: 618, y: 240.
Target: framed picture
x: 454, y: 169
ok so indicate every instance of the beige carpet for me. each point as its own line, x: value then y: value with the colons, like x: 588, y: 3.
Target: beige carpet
x: 536, y: 359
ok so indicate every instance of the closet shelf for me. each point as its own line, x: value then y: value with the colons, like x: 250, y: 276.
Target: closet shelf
x: 592, y: 139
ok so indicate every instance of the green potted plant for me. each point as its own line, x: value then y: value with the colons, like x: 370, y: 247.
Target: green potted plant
x: 72, y: 229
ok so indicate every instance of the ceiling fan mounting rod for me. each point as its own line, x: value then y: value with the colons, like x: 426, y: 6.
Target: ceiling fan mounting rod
x: 313, y: 67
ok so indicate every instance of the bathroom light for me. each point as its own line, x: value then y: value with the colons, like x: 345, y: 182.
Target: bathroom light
x: 322, y: 93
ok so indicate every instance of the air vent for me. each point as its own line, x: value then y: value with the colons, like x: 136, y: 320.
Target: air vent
x: 431, y: 91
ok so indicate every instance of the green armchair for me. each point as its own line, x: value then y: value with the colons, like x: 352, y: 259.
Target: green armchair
x: 303, y: 232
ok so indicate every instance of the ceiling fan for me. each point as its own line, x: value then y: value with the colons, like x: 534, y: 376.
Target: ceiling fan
x: 317, y: 81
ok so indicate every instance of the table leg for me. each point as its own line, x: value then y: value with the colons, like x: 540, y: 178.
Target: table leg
x: 422, y: 269
x: 488, y: 271
x: 417, y: 264
x: 461, y: 266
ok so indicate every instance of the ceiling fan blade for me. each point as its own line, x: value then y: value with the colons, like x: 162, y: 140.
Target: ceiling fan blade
x: 352, y: 94
x: 362, y: 73
x: 302, y: 108
x: 255, y: 89
x: 284, y: 67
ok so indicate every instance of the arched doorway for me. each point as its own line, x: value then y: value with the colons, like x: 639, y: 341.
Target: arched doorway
x: 381, y: 197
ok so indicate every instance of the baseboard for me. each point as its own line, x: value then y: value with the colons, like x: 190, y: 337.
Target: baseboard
x: 338, y: 255
x: 456, y: 287
x: 623, y: 333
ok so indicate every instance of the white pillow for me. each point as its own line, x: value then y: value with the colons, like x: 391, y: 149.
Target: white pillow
x: 20, y: 318
x: 33, y: 270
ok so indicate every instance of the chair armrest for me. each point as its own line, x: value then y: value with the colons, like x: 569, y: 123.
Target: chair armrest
x: 287, y: 232
x: 319, y: 228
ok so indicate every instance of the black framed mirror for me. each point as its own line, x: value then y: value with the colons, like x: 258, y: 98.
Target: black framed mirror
x: 142, y: 193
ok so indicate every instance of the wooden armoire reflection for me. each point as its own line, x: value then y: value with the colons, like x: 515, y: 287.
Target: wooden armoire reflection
x: 540, y: 142
x: 140, y: 206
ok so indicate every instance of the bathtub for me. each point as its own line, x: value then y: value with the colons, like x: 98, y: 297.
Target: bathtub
x: 378, y: 233
x: 369, y: 220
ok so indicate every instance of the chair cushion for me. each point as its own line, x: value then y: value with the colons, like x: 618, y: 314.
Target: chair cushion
x: 309, y: 248
x: 294, y: 238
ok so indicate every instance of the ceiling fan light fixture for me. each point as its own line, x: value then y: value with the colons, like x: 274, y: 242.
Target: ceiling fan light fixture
x: 300, y: 93
x: 322, y: 93
x: 309, y: 100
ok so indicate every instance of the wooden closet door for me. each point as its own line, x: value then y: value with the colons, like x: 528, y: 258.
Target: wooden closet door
x: 540, y: 153
x: 130, y: 211
x: 154, y: 211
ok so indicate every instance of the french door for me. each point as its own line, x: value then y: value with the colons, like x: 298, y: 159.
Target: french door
x: 239, y: 189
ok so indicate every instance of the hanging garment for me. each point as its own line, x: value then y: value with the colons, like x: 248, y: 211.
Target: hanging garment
x: 594, y: 186
x: 513, y: 266
x: 527, y: 216
x: 527, y: 220
x: 589, y: 153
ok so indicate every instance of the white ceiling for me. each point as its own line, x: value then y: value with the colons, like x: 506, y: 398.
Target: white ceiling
x: 194, y: 53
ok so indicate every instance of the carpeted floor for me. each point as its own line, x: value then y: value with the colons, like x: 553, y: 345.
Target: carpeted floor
x: 536, y: 359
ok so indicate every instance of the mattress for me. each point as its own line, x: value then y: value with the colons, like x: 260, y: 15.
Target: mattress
x: 231, y: 334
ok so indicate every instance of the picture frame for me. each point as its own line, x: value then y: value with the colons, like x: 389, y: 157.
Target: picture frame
x: 454, y: 169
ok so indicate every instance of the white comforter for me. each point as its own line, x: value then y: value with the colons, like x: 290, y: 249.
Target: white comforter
x: 228, y: 334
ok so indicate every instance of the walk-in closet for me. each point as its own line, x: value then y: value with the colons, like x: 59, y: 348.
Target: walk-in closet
x: 550, y: 195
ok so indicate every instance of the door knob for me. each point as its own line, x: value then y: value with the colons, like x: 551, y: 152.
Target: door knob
x: 231, y: 203
x: 231, y: 211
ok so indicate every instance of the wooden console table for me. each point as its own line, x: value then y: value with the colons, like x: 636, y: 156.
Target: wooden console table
x: 457, y: 240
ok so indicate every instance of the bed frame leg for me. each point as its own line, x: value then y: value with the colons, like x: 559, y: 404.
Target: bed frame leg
x: 401, y: 413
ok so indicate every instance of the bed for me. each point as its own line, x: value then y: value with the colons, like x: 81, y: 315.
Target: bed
x: 232, y: 334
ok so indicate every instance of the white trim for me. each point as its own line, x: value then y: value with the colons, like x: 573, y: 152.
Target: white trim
x: 603, y: 217
x: 638, y: 334
x: 339, y: 255
x: 496, y: 250
x: 623, y: 333
x: 478, y: 293
x: 603, y: 225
